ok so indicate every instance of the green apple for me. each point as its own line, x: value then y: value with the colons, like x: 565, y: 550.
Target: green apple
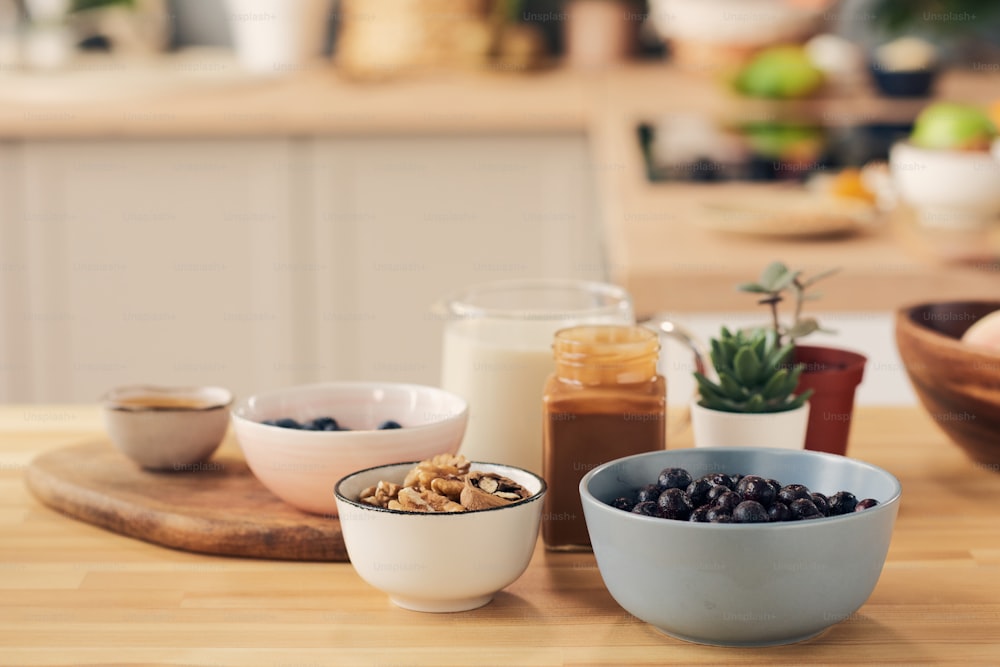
x: 949, y: 125
x: 780, y: 72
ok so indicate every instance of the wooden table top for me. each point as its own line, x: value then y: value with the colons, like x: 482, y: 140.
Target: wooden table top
x: 71, y: 593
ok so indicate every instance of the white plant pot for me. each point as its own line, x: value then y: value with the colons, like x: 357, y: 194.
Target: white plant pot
x: 278, y: 36
x: 782, y: 430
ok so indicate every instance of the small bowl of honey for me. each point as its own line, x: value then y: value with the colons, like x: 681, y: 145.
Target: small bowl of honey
x: 167, y: 428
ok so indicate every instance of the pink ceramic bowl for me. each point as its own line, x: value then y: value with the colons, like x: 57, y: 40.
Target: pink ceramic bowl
x: 301, y: 467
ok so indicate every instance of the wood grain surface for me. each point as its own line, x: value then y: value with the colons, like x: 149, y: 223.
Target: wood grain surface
x: 75, y: 594
x: 217, y: 507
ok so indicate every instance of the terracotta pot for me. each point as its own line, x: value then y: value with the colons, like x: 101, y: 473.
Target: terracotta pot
x: 834, y: 375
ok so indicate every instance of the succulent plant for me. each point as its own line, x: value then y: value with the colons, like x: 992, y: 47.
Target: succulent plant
x: 755, y: 374
x: 774, y: 281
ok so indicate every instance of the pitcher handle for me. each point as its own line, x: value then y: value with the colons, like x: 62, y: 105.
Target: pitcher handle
x: 667, y: 327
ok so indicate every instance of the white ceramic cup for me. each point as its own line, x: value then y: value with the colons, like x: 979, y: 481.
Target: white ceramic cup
x: 167, y: 428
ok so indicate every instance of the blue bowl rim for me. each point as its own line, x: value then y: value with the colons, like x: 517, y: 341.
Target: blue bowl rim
x: 883, y: 506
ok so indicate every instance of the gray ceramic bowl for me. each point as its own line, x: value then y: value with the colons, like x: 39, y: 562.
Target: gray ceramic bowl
x: 749, y: 584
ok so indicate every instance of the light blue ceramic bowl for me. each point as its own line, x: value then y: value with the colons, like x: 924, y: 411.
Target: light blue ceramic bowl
x: 741, y: 584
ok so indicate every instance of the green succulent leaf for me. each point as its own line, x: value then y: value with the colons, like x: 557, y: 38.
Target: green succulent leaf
x: 747, y: 366
x: 755, y: 288
x: 84, y: 5
x: 716, y: 354
x: 790, y: 385
x: 770, y: 339
x: 776, y: 387
x: 803, y: 327
x: 771, y: 274
x: 707, y: 388
x: 723, y: 405
x: 729, y: 350
x: 809, y: 282
x: 731, y: 387
x: 786, y: 281
x: 778, y: 357
x: 758, y: 345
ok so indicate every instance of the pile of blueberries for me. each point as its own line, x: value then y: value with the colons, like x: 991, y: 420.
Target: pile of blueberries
x: 322, y: 424
x: 722, y: 498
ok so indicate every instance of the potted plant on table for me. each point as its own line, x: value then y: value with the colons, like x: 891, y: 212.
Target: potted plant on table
x: 753, y: 403
x: 831, y: 374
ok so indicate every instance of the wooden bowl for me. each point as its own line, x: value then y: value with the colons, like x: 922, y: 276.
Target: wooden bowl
x: 958, y: 383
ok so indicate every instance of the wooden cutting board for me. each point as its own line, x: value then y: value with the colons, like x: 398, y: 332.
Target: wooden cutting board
x: 220, y: 508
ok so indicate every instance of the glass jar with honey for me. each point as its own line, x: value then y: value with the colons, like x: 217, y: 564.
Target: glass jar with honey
x: 605, y: 400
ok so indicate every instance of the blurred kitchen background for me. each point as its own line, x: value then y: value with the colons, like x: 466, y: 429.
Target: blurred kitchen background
x: 257, y: 194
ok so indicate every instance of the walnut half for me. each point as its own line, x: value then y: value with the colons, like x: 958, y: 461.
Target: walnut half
x: 381, y: 494
x: 484, y: 490
x: 411, y: 500
x: 442, y: 466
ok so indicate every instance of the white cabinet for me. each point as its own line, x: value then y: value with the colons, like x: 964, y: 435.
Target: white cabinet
x: 154, y: 262
x: 15, y: 370
x: 403, y: 221
x: 261, y: 263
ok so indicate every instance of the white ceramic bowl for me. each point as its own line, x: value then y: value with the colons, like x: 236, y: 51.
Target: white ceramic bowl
x: 439, y: 562
x: 948, y: 189
x: 741, y: 584
x: 167, y: 428
x: 733, y: 22
x: 301, y: 467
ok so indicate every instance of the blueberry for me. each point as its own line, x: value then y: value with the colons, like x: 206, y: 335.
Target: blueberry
x: 714, y: 493
x: 699, y: 515
x: 647, y: 508
x: 713, y: 515
x: 721, y: 479
x: 842, y: 502
x: 698, y: 491
x: 756, y: 489
x: 802, y: 509
x: 389, y: 424
x: 792, y: 492
x: 674, y: 504
x: 779, y: 512
x: 285, y: 422
x: 325, y: 424
x: 821, y: 502
x: 865, y: 504
x: 674, y: 478
x: 775, y: 486
x: 721, y: 518
x: 622, y: 503
x: 648, y: 493
x: 728, y: 501
x: 750, y: 511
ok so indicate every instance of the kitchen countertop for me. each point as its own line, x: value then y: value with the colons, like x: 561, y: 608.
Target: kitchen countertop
x: 655, y: 249
x: 71, y: 593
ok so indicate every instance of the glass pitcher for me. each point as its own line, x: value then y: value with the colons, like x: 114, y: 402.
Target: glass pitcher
x: 497, y: 354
